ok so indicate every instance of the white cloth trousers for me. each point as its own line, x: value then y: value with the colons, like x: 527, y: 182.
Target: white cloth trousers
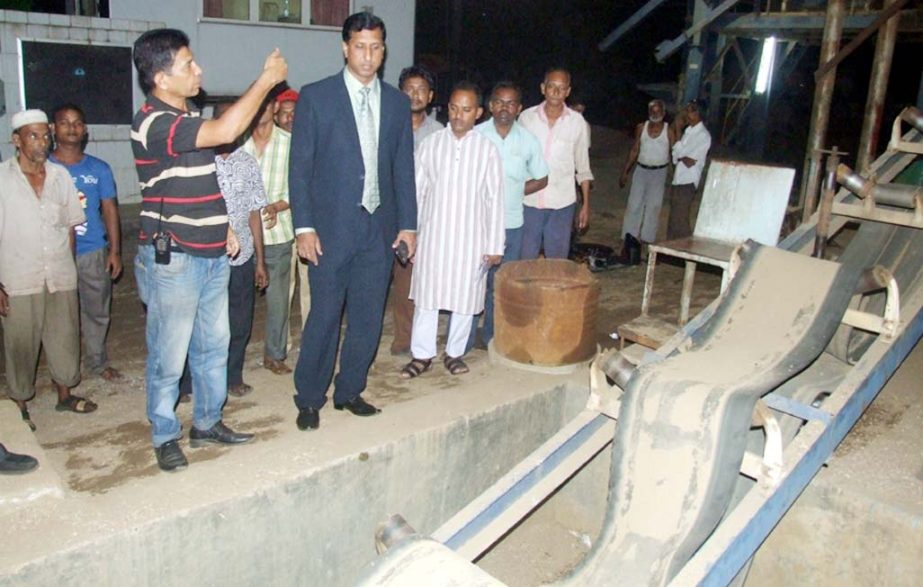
x: 644, y: 202
x: 425, y: 327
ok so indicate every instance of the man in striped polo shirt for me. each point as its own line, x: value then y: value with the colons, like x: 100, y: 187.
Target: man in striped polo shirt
x: 181, y: 268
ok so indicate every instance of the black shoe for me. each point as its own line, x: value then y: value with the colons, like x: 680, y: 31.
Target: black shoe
x: 219, y: 433
x: 170, y: 457
x: 358, y: 407
x: 631, y: 251
x: 308, y: 418
x: 14, y: 464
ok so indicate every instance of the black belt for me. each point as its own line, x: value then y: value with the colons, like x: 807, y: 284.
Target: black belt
x: 651, y: 167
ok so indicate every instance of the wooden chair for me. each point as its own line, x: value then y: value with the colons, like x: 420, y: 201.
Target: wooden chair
x: 740, y: 201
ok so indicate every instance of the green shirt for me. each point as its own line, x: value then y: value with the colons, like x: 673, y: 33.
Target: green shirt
x: 522, y: 161
x: 274, y: 167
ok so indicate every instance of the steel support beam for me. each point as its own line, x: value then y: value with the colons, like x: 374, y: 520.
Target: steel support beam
x: 878, y: 87
x: 865, y: 33
x: 695, y: 58
x: 701, y: 20
x: 633, y: 21
x: 820, y: 113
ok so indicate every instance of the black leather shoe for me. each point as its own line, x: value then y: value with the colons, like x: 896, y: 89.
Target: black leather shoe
x: 308, y: 418
x: 170, y: 457
x: 358, y: 407
x: 14, y: 464
x: 219, y: 433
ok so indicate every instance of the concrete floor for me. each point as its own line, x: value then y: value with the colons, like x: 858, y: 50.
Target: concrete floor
x: 98, y: 475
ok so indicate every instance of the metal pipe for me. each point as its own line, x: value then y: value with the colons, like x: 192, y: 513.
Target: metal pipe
x: 823, y: 95
x: 619, y: 369
x: 878, y: 88
x: 891, y: 194
x: 826, y: 205
x: 913, y: 116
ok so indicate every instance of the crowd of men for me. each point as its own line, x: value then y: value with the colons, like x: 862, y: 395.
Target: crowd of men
x: 349, y: 185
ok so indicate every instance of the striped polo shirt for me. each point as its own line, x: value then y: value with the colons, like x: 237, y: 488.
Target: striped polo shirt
x: 179, y: 185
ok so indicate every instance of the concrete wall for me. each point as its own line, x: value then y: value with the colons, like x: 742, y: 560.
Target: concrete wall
x: 316, y: 528
x: 230, y: 52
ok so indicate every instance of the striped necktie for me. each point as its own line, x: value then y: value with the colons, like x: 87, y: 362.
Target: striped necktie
x: 369, y: 144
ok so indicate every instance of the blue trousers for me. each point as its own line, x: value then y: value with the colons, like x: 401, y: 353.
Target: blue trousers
x: 547, y: 230
x: 511, y: 252
x: 356, y: 279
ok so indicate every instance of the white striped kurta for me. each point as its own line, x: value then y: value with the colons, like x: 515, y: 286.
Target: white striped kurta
x: 459, y: 220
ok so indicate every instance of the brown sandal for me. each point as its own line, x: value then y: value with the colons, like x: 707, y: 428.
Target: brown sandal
x: 77, y: 404
x: 415, y: 368
x: 455, y: 365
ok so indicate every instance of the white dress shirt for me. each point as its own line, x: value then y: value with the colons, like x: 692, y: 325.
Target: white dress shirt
x: 695, y: 144
x: 566, y: 148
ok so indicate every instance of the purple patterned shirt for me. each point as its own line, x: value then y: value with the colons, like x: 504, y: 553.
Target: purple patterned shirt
x: 241, y: 185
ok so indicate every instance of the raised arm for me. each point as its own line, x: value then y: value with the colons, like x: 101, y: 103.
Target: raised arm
x: 233, y: 123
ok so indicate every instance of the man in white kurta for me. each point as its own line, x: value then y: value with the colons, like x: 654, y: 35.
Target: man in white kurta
x: 460, y: 230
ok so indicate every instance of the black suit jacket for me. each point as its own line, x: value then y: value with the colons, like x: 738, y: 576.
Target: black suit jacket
x: 326, y: 171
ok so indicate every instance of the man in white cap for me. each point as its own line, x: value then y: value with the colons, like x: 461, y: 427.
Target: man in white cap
x: 39, y: 208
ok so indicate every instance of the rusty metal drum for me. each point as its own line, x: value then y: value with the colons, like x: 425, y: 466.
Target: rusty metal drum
x: 545, y: 312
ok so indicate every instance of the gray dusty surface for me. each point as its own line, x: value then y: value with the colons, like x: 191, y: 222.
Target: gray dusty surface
x: 100, y: 451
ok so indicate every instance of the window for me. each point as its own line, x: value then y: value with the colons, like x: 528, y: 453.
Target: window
x: 322, y: 12
x: 280, y: 11
x: 329, y: 12
x: 233, y: 9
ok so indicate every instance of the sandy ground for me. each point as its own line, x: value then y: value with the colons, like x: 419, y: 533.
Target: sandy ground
x: 112, y: 446
x: 108, y: 452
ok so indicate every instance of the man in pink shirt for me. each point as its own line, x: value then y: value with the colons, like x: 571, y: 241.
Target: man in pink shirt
x: 565, y: 139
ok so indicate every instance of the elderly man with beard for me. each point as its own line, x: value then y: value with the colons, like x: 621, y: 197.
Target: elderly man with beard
x: 650, y: 157
x: 39, y: 209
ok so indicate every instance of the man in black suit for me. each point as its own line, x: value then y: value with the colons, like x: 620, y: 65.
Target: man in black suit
x: 351, y: 189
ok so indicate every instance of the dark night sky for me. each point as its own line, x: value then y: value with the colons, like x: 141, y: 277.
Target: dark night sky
x: 519, y: 39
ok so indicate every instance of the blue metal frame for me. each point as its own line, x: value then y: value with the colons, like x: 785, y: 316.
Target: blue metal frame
x: 526, y: 483
x: 787, y: 405
x: 760, y: 525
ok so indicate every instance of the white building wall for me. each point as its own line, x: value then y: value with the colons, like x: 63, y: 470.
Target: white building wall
x: 231, y: 54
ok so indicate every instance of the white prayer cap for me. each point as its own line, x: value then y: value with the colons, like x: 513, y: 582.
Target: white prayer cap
x: 21, y: 119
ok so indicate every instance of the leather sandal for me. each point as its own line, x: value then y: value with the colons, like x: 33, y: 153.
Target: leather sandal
x: 455, y: 365
x: 415, y: 368
x: 76, y: 404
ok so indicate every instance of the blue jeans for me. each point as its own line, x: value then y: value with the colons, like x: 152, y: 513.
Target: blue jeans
x: 512, y: 251
x: 547, y: 230
x: 187, y: 312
